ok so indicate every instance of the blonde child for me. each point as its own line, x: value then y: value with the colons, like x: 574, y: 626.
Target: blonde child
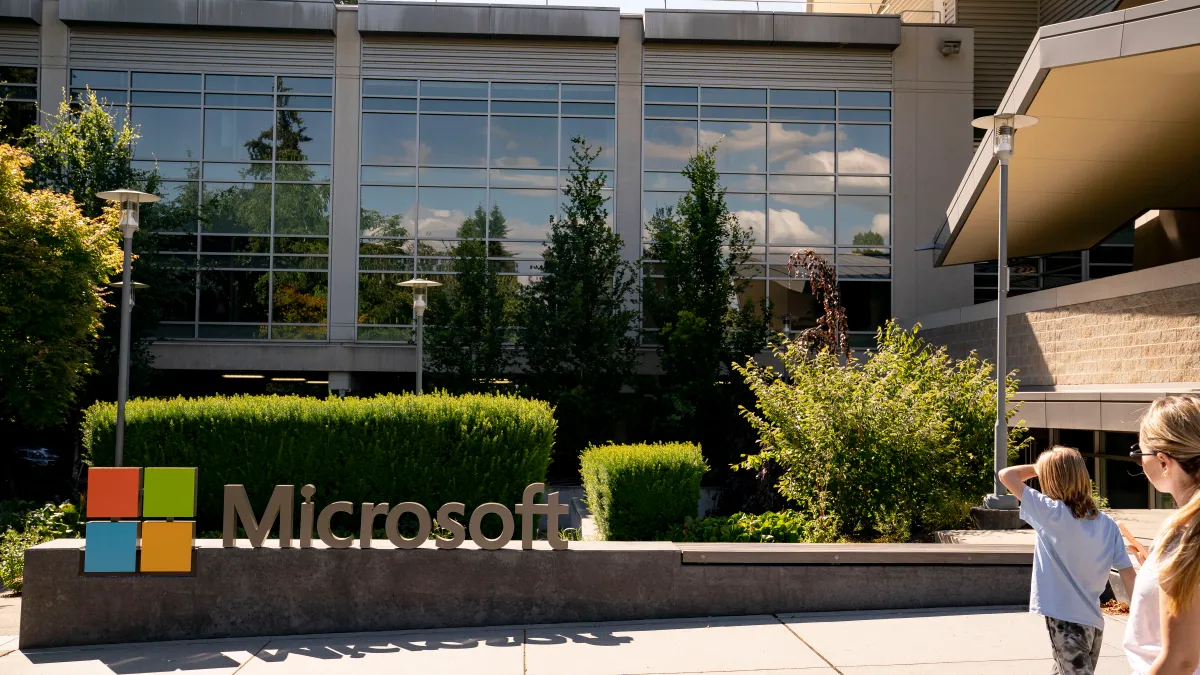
x: 1075, y: 549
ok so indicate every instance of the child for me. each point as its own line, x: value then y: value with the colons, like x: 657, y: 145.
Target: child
x: 1076, y: 547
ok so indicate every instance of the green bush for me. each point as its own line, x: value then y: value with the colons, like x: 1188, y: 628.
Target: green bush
x: 772, y: 527
x: 35, y: 527
x: 430, y: 449
x: 879, y: 448
x: 637, y: 492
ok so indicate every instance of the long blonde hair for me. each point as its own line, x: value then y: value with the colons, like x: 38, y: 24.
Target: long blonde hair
x: 1172, y: 427
x: 1063, y: 476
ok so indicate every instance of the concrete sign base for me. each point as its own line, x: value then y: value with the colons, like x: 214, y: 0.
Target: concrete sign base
x: 245, y: 591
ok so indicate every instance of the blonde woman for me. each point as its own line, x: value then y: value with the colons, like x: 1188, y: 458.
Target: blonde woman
x: 1076, y: 547
x: 1163, y: 635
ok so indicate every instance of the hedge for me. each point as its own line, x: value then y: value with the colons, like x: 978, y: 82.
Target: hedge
x: 430, y: 449
x: 638, y: 492
x: 771, y: 527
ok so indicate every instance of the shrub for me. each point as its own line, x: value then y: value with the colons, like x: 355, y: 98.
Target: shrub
x: 878, y: 448
x: 771, y: 527
x: 37, y: 526
x: 430, y: 449
x: 637, y: 492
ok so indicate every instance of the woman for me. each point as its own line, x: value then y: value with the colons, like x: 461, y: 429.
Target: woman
x: 1163, y: 635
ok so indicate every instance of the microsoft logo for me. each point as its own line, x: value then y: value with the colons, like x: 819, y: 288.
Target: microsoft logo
x: 117, y: 498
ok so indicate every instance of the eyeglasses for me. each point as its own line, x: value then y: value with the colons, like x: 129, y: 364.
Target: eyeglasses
x: 1135, y: 450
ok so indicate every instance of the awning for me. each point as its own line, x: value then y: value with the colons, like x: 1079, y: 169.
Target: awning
x: 1118, y: 99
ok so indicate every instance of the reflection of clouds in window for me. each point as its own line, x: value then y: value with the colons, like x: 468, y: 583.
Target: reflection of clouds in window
x: 526, y: 212
x: 741, y: 146
x: 389, y: 139
x: 864, y: 148
x: 668, y: 144
x: 750, y: 214
x: 387, y: 211
x: 599, y: 133
x: 524, y: 142
x: 801, y: 219
x: 454, y: 140
x: 443, y: 211
x: 863, y: 214
x: 232, y: 134
x: 801, y: 148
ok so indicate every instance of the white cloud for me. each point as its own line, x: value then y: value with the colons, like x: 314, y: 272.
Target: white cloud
x: 881, y: 223
x: 860, y: 160
x: 787, y: 225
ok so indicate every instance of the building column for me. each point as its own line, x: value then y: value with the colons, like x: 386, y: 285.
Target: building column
x: 343, y: 222
x: 628, y: 209
x: 54, y: 45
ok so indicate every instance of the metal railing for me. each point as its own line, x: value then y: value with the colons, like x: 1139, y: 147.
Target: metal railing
x: 812, y: 6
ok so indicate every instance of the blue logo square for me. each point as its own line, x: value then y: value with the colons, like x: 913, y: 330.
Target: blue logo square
x: 111, y: 546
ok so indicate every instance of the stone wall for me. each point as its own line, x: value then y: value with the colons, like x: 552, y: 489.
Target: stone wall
x: 1150, y: 337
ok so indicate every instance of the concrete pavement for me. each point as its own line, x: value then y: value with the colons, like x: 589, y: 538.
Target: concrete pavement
x: 962, y: 641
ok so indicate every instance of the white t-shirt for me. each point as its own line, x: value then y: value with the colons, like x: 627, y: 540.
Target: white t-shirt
x: 1143, y: 635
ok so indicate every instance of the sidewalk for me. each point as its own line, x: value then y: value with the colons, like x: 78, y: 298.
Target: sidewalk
x: 962, y: 641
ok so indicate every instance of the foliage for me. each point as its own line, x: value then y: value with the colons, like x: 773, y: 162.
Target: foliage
x: 771, y: 527
x: 82, y: 152
x: 579, y: 339
x: 700, y: 247
x: 38, y: 526
x: 430, y: 449
x: 53, y: 260
x: 470, y: 318
x: 830, y: 331
x: 638, y: 491
x: 881, y: 448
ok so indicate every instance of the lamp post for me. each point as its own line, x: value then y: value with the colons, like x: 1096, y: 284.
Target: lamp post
x: 130, y: 201
x: 1004, y: 128
x: 420, y: 288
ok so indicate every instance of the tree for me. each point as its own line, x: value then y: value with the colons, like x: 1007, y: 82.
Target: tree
x: 82, y: 152
x: 579, y: 329
x: 53, y: 262
x: 868, y: 238
x: 700, y: 248
x: 471, y: 317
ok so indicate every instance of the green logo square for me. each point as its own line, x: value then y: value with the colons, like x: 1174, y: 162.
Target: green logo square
x: 169, y: 492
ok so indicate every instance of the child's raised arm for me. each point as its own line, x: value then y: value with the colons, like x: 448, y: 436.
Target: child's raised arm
x: 1014, y: 477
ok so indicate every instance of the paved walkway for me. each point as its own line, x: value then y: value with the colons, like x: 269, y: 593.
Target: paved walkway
x: 962, y: 641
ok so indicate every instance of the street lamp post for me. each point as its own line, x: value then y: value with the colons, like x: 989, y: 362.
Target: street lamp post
x: 420, y: 288
x: 130, y: 201
x: 1004, y: 128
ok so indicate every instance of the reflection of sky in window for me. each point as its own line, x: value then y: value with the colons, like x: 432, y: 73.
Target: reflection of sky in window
x: 599, y: 133
x: 668, y: 144
x: 389, y: 139
x: 607, y: 195
x: 750, y: 214
x: 864, y: 148
x: 293, y: 130
x: 652, y: 201
x: 226, y: 132
x: 862, y: 214
x: 531, y: 178
x: 801, y: 219
x: 801, y: 148
x: 741, y: 146
x: 524, y: 142
x: 443, y: 210
x: 387, y: 211
x: 167, y: 133
x: 526, y: 213
x: 454, y: 139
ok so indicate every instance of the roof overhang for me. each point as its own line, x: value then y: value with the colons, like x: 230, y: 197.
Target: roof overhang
x: 1118, y: 99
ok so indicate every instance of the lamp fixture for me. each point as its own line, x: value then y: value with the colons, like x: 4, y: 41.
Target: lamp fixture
x: 242, y: 376
x: 951, y: 47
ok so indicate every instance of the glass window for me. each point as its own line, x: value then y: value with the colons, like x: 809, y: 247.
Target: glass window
x: 451, y: 213
x: 711, y: 95
x: 750, y: 213
x: 388, y: 211
x: 529, y: 178
x: 167, y: 81
x: 443, y: 177
x: 804, y: 114
x: 381, y: 300
x: 866, y: 99
x: 798, y: 220
x: 801, y: 183
x: 239, y: 83
x: 299, y: 297
x: 18, y: 75
x: 389, y: 174
x: 865, y: 115
x: 671, y: 95
x: 225, y: 171
x: 868, y: 185
x: 652, y: 202
x: 307, y: 173
x: 864, y: 148
x: 305, y: 102
x: 668, y: 144
x: 741, y: 146
x: 453, y: 105
x: 801, y: 97
x: 15, y: 118
x: 662, y: 180
x: 525, y: 107
x: 305, y: 85
x: 454, y: 89
x: 543, y: 92
x: 389, y: 87
x: 742, y: 182
x: 521, y: 214
x: 589, y: 92
x: 599, y: 133
x: 863, y: 220
x: 239, y: 100
x: 166, y: 133
x: 164, y: 98
x: 228, y: 296
x: 524, y: 142
x: 868, y: 303
x: 301, y: 209
x: 453, y: 140
x: 236, y: 207
x: 100, y: 79
x: 732, y: 113
x: 390, y: 104
x: 389, y: 139
x: 593, y: 109
x: 801, y: 148
x: 304, y: 136
x: 238, y: 135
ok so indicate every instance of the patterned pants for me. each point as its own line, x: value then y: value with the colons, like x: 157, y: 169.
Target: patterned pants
x: 1076, y: 647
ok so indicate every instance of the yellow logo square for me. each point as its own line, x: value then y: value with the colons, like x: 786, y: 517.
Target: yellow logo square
x: 167, y: 546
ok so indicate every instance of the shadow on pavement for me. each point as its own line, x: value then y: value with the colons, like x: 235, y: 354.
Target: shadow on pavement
x: 130, y: 659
